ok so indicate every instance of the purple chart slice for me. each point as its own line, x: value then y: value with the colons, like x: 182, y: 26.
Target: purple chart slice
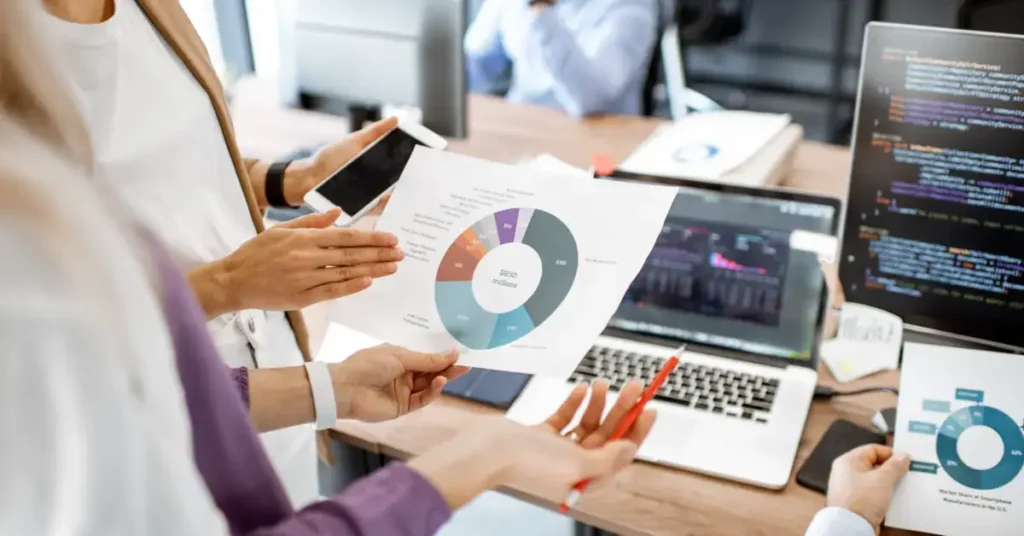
x: 506, y: 223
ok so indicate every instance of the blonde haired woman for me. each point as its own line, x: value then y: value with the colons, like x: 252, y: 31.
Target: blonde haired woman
x: 116, y: 415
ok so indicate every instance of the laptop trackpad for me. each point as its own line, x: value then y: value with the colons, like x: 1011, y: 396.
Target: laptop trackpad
x: 669, y: 439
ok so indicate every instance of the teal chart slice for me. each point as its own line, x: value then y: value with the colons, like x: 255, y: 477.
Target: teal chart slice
x: 462, y: 316
x: 510, y: 327
x: 460, y: 309
x: 997, y: 476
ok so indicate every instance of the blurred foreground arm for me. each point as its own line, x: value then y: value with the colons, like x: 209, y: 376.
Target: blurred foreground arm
x: 80, y: 452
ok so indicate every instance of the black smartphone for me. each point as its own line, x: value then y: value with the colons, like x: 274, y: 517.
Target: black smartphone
x: 842, y: 437
x: 491, y: 387
x: 361, y: 183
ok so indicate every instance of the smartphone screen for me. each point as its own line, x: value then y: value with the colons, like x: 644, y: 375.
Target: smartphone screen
x: 371, y: 174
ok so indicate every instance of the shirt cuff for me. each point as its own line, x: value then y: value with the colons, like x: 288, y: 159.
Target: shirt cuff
x: 835, y: 521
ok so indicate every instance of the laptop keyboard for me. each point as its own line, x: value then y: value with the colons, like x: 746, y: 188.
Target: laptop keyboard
x: 712, y: 389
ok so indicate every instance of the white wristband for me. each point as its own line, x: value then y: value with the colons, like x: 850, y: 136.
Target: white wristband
x: 324, y: 403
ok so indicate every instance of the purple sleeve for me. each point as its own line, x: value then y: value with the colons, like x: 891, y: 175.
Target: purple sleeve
x: 240, y: 376
x: 395, y: 501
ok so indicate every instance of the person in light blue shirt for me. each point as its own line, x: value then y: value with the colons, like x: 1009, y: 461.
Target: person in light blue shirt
x: 584, y: 57
x: 860, y: 490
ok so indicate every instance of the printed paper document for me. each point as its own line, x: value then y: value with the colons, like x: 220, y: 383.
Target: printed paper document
x: 518, y: 268
x: 959, y: 418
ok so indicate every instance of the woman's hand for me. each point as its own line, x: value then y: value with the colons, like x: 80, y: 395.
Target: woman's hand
x: 386, y: 382
x: 496, y: 451
x: 294, y: 265
x: 306, y: 173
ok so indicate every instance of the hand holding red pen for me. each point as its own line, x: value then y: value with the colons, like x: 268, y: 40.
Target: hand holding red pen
x: 625, y: 425
x: 495, y: 451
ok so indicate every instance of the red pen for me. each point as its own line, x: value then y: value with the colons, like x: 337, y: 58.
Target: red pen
x: 626, y: 423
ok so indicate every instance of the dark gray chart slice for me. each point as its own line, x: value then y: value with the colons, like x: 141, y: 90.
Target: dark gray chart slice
x: 559, y: 256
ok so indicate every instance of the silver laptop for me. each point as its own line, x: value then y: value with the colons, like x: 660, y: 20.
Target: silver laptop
x: 735, y: 276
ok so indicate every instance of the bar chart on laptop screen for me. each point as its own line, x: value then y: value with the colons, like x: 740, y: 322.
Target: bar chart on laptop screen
x: 935, y: 224
x: 716, y: 269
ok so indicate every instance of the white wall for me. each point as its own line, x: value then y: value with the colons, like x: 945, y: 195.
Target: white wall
x: 201, y: 13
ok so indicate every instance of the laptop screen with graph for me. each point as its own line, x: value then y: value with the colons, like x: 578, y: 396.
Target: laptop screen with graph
x: 734, y: 270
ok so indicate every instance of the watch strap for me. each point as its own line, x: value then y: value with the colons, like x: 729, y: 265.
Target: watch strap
x: 324, y: 402
x: 274, y: 185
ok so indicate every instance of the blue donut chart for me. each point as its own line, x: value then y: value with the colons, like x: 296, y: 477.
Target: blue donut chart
x: 1008, y: 467
x: 457, y: 306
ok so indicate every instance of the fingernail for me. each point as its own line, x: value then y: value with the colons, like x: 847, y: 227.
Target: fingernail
x: 454, y: 352
x: 902, y: 458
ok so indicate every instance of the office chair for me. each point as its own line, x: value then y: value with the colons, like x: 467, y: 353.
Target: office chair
x: 704, y: 22
x: 1002, y: 16
x: 687, y: 24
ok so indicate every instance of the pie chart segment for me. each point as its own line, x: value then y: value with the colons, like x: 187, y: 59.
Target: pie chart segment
x: 469, y: 241
x: 522, y: 223
x: 511, y: 326
x: 462, y: 316
x: 457, y: 264
x: 531, y: 263
x: 555, y: 245
x: 506, y: 221
x: 487, y: 232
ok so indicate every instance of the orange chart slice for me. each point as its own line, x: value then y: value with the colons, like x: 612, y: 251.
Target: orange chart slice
x: 469, y: 241
x: 457, y: 264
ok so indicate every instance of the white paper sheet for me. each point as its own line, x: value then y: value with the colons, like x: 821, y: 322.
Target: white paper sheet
x: 520, y: 269
x: 552, y: 164
x: 341, y: 342
x: 705, y: 146
x: 868, y: 341
x: 959, y: 419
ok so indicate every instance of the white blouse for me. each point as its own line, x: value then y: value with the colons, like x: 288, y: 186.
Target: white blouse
x: 156, y: 140
x: 94, y: 433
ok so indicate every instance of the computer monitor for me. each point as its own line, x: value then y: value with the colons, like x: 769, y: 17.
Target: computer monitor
x: 934, y: 227
x: 736, y: 269
x: 359, y: 54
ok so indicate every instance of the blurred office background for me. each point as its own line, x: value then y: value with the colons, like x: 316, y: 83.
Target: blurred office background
x: 799, y: 57
x: 794, y: 56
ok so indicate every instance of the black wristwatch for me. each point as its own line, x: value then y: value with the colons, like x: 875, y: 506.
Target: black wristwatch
x: 274, y: 185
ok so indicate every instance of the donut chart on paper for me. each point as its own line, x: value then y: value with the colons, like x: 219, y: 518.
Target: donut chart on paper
x: 949, y: 435
x: 504, y: 276
x: 1008, y: 467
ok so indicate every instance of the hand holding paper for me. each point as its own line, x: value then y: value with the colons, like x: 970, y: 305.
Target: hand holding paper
x: 519, y: 268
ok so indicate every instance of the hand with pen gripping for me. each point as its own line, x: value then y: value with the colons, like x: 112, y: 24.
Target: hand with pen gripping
x: 551, y: 457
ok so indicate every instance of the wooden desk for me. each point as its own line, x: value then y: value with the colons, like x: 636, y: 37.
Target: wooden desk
x: 643, y: 499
